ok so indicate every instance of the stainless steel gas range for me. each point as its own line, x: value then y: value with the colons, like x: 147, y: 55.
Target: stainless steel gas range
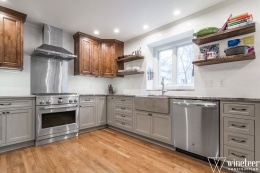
x: 56, y: 117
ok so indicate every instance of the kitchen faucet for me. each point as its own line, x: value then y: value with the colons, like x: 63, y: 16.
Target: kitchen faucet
x: 163, y: 90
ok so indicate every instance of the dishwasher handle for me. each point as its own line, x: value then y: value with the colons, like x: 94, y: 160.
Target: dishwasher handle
x: 198, y: 104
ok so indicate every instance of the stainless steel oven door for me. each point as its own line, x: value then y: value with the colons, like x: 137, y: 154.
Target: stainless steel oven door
x: 55, y: 120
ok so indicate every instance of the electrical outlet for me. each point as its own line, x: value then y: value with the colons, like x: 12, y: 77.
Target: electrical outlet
x: 222, y: 83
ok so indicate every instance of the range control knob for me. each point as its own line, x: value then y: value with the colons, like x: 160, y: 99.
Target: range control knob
x: 60, y: 101
x: 42, y: 102
x: 75, y: 101
x: 48, y: 102
x: 70, y: 101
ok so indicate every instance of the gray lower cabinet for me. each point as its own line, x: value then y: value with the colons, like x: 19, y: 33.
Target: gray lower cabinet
x: 92, y: 111
x: 87, y: 115
x: 19, y: 125
x: 17, y: 121
x: 101, y: 110
x: 142, y: 123
x: 2, y: 128
x: 110, y: 110
x: 153, y: 125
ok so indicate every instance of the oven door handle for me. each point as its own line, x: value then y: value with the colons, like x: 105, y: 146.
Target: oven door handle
x: 58, y: 107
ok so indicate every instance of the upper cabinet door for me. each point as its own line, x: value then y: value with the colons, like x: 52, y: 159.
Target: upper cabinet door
x: 85, y: 56
x: 95, y: 59
x: 11, y: 38
x: 108, y: 58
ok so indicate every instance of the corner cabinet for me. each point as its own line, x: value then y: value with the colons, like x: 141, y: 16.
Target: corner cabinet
x: 11, y: 38
x: 88, y: 50
x: 97, y: 57
x: 111, y: 49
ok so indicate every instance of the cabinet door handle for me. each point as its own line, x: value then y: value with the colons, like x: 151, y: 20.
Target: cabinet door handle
x: 87, y: 100
x: 150, y: 114
x: 237, y: 140
x: 122, y: 123
x: 122, y: 115
x: 122, y: 100
x: 238, y: 126
x: 238, y: 156
x: 239, y: 109
x: 123, y: 108
x: 5, y: 104
x: 8, y: 112
x: 3, y: 112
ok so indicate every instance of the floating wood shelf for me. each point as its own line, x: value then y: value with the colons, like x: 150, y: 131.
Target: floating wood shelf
x: 226, y: 59
x: 121, y: 74
x: 130, y: 58
x: 250, y: 28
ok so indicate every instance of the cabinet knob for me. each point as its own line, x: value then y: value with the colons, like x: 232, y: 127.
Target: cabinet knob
x: 150, y: 114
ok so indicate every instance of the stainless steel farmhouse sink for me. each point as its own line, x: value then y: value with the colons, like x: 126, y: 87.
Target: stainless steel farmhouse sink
x: 152, y: 103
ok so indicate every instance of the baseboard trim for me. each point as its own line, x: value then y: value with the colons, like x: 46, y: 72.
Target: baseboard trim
x: 91, y: 129
x: 16, y: 146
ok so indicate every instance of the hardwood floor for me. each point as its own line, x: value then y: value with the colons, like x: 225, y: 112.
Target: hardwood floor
x: 103, y: 151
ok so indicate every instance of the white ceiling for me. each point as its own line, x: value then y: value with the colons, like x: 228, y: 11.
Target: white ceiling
x: 104, y: 15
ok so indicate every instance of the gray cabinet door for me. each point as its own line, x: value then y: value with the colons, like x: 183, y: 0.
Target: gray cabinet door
x: 110, y: 110
x: 161, y: 127
x: 142, y: 123
x: 87, y: 116
x: 101, y: 110
x: 19, y: 125
x: 2, y: 128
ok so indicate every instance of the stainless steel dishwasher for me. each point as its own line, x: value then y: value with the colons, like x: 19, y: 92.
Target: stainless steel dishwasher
x: 196, y: 126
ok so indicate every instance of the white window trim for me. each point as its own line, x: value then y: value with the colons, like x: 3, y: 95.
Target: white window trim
x: 156, y: 50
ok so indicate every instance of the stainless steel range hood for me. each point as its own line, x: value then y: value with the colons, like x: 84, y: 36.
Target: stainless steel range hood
x: 52, y: 44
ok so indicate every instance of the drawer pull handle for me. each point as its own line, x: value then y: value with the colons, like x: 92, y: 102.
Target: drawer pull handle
x: 238, y: 141
x: 239, y: 156
x: 122, y: 115
x: 238, y: 126
x: 237, y: 109
x: 150, y: 114
x: 87, y: 100
x: 122, y: 100
x: 123, y: 123
x: 5, y: 104
x: 123, y: 108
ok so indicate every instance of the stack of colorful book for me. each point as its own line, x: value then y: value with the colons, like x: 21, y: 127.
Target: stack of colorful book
x: 240, y: 20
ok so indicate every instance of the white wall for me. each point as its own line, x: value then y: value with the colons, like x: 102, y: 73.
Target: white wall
x: 236, y: 79
x: 13, y: 82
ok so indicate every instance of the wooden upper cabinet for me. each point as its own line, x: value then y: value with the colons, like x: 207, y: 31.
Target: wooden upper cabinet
x: 87, y: 48
x: 96, y: 56
x: 11, y: 38
x: 111, y: 50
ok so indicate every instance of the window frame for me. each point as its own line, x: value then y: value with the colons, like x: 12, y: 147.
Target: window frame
x: 173, y: 45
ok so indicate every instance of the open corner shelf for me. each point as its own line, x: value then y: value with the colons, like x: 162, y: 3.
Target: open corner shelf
x: 122, y: 74
x: 250, y: 28
x: 226, y: 59
x: 130, y: 58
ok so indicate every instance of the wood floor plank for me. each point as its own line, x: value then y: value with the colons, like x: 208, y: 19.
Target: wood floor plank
x: 102, y: 151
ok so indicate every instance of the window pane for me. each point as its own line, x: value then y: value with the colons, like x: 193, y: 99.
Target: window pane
x: 185, y: 56
x: 165, y: 66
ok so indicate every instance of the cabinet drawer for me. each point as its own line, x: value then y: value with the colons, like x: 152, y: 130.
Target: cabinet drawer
x: 124, y: 100
x: 239, y: 109
x: 246, y: 142
x: 87, y: 99
x: 238, y: 154
x: 123, y: 116
x: 123, y: 124
x: 5, y: 104
x: 124, y: 109
x: 239, y: 125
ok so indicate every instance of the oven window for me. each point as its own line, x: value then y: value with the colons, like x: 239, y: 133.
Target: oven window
x: 58, y: 119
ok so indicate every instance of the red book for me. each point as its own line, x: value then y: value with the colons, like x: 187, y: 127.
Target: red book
x: 240, y: 18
